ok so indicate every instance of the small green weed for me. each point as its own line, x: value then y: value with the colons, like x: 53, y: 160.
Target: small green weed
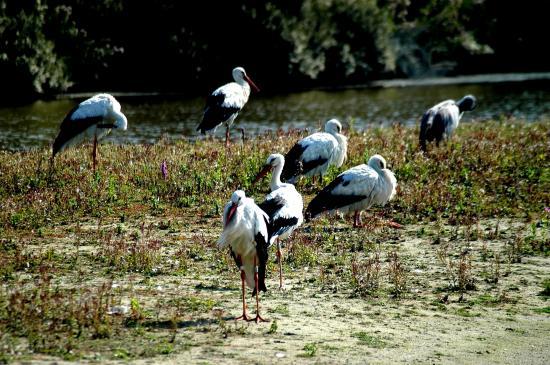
x: 310, y: 350
x: 544, y: 310
x: 369, y: 340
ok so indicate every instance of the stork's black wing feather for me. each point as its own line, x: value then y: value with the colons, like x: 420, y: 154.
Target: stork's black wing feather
x: 310, y: 165
x: 424, y: 128
x: 279, y: 225
x: 325, y: 200
x: 435, y: 130
x: 272, y: 206
x: 261, y: 251
x: 215, y: 113
x: 71, y: 128
x: 293, y: 162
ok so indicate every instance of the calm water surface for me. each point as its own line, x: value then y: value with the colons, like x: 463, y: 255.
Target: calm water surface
x: 153, y: 117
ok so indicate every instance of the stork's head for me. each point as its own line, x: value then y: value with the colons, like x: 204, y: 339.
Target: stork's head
x: 272, y: 162
x: 240, y: 76
x: 120, y: 119
x: 237, y: 199
x: 467, y: 103
x: 333, y: 126
x: 377, y: 162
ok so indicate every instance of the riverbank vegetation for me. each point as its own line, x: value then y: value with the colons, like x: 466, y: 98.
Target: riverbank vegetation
x: 53, y: 46
x: 122, y: 263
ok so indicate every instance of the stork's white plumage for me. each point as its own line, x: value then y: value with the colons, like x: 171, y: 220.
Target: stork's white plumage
x: 245, y: 232
x: 225, y: 103
x: 314, y: 154
x: 355, y: 190
x: 284, y: 206
x: 441, y: 120
x: 92, y: 119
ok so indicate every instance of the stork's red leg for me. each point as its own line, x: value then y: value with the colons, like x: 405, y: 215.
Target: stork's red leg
x: 258, y: 317
x: 390, y: 222
x: 243, y: 277
x: 242, y: 135
x: 394, y: 224
x: 357, y: 220
x: 227, y: 142
x: 94, y: 152
x: 280, y: 259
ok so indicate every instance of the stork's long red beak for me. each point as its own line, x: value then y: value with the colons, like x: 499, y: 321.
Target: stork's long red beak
x: 252, y: 84
x: 261, y: 174
x: 231, y: 213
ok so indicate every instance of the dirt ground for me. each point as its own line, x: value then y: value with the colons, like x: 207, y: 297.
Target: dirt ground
x: 319, y: 317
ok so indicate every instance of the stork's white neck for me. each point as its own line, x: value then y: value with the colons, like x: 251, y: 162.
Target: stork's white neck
x: 276, y: 177
x: 245, y: 86
x: 342, y: 149
x: 120, y: 120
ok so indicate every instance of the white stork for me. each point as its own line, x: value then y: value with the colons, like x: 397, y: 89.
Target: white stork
x: 355, y: 190
x: 314, y: 154
x: 225, y: 103
x: 441, y: 120
x: 245, y: 232
x: 92, y: 119
x: 284, y: 206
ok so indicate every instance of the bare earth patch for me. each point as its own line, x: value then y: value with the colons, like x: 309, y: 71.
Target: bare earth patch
x: 187, y: 317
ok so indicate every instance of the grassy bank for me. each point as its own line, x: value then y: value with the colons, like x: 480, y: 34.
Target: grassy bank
x: 122, y: 263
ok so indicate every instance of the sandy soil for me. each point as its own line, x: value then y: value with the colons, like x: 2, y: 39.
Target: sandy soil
x: 319, y: 317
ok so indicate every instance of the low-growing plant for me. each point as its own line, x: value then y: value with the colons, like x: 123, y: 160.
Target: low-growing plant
x: 53, y: 319
x: 365, y: 275
x: 369, y: 340
x: 458, y: 272
x: 310, y: 350
x: 545, y: 292
x: 137, y: 253
x: 397, y: 274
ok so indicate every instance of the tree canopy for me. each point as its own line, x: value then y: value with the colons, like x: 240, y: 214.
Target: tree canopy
x: 51, y: 46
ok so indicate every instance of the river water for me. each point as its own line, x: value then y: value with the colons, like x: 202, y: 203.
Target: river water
x: 151, y: 117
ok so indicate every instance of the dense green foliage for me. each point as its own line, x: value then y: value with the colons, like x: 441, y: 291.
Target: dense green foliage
x: 50, y: 46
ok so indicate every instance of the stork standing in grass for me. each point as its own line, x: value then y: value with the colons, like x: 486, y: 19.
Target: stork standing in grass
x: 92, y: 119
x: 225, y: 103
x: 440, y: 121
x: 245, y: 232
x: 284, y: 206
x: 314, y: 154
x: 355, y: 190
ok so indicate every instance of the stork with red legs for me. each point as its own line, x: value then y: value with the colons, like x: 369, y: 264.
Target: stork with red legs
x: 225, y: 103
x: 92, y: 119
x: 245, y: 232
x: 440, y: 121
x: 284, y: 206
x: 314, y: 154
x: 355, y: 190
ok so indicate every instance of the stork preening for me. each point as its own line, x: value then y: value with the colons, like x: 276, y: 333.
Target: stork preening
x: 314, y: 154
x: 225, y: 103
x: 440, y: 121
x: 92, y: 119
x: 284, y: 206
x: 245, y: 232
x: 355, y: 190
